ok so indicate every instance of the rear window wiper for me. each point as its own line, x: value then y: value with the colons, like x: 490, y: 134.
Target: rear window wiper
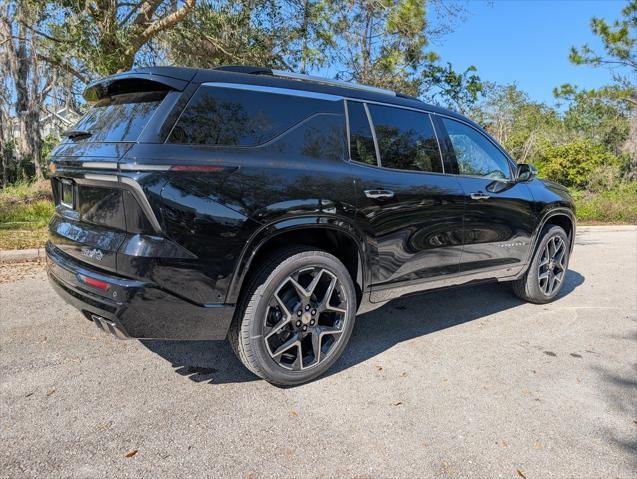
x: 73, y: 134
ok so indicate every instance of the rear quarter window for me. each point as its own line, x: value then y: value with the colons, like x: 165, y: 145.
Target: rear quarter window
x: 219, y: 116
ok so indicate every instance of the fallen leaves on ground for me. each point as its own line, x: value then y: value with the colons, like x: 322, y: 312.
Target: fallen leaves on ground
x: 10, y: 272
x: 397, y: 403
x: 521, y: 474
x: 50, y: 393
x: 132, y: 453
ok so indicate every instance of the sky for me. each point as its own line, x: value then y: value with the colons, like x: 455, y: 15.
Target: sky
x: 527, y: 42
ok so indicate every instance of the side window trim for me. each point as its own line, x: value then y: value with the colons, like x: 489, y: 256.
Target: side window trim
x: 371, y: 126
x: 347, y: 133
x: 433, y: 127
x: 510, y: 162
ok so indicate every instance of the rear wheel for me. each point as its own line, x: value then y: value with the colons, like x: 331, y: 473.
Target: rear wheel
x: 545, y: 277
x: 296, y: 316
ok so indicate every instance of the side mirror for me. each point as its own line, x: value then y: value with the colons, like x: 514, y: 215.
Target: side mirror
x: 526, y: 172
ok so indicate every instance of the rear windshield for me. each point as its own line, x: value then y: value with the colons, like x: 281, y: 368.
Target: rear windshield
x: 120, y: 117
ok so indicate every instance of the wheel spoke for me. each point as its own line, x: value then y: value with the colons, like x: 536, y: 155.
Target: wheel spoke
x: 543, y: 275
x: 306, y: 293
x: 551, y: 283
x: 282, y: 305
x: 290, y: 343
x: 551, y: 247
x: 316, y: 347
x: 325, y: 302
x: 560, y: 259
x: 300, y: 290
x: 327, y: 330
x: 277, y: 327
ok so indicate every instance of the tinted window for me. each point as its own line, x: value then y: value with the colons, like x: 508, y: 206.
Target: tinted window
x: 475, y: 154
x: 234, y: 117
x: 406, y: 139
x: 120, y: 117
x: 360, y: 134
x: 320, y: 137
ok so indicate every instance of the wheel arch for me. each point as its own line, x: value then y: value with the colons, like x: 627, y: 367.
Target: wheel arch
x: 336, y: 236
x: 562, y: 217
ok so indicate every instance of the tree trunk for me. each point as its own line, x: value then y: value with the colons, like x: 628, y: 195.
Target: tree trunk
x: 630, y: 146
x: 22, y: 66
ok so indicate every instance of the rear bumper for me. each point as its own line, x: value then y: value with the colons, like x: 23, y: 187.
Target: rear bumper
x: 131, y: 308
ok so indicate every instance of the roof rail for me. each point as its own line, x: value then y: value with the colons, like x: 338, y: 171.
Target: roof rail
x: 328, y: 81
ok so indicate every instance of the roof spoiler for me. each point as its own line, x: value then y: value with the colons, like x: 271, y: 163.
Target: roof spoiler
x: 136, y: 80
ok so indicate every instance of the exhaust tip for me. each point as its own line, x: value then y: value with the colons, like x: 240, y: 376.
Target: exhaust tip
x: 107, y: 326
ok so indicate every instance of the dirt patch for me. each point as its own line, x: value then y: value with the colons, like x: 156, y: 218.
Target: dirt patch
x: 16, y: 271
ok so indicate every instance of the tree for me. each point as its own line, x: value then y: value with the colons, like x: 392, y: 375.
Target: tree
x: 384, y: 43
x: 25, y: 74
x: 619, y: 41
x: 103, y: 37
x: 236, y: 32
x: 522, y: 126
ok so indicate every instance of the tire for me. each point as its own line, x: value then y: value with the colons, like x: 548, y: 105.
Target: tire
x: 273, y: 313
x: 545, y: 276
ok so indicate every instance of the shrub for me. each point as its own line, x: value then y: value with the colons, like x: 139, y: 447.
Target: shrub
x: 573, y: 164
x: 618, y: 205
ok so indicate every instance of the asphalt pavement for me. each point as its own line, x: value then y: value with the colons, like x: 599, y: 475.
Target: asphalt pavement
x: 459, y: 383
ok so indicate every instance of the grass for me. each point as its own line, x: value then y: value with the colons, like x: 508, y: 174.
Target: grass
x: 25, y: 210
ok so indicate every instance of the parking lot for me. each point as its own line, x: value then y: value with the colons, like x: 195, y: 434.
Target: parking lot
x: 459, y: 383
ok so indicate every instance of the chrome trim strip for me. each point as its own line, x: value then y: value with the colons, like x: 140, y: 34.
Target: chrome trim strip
x: 347, y: 133
x: 371, y: 127
x: 275, y: 90
x: 433, y: 127
x: 138, y: 192
x: 329, y: 81
x: 101, y: 177
x: 101, y: 165
x: 144, y: 167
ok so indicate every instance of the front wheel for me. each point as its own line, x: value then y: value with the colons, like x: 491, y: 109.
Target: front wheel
x: 296, y: 316
x: 546, y: 274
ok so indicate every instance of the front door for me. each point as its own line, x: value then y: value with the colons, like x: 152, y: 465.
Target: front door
x: 499, y: 214
x: 410, y: 210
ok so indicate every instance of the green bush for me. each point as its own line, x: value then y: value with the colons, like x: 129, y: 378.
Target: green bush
x: 618, y: 205
x: 573, y: 164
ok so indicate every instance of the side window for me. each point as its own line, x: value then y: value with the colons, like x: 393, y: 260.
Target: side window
x: 406, y: 139
x: 237, y: 117
x: 360, y: 134
x: 475, y: 154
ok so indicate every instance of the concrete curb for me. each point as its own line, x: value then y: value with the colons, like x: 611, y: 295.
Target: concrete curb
x: 21, y: 255
x: 590, y: 228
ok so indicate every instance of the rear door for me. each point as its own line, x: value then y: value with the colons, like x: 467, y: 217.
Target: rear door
x: 411, y: 211
x: 499, y: 215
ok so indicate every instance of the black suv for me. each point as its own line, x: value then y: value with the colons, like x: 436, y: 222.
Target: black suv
x: 270, y: 208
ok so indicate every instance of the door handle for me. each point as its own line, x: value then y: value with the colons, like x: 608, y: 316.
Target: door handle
x: 375, y: 194
x: 479, y: 196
